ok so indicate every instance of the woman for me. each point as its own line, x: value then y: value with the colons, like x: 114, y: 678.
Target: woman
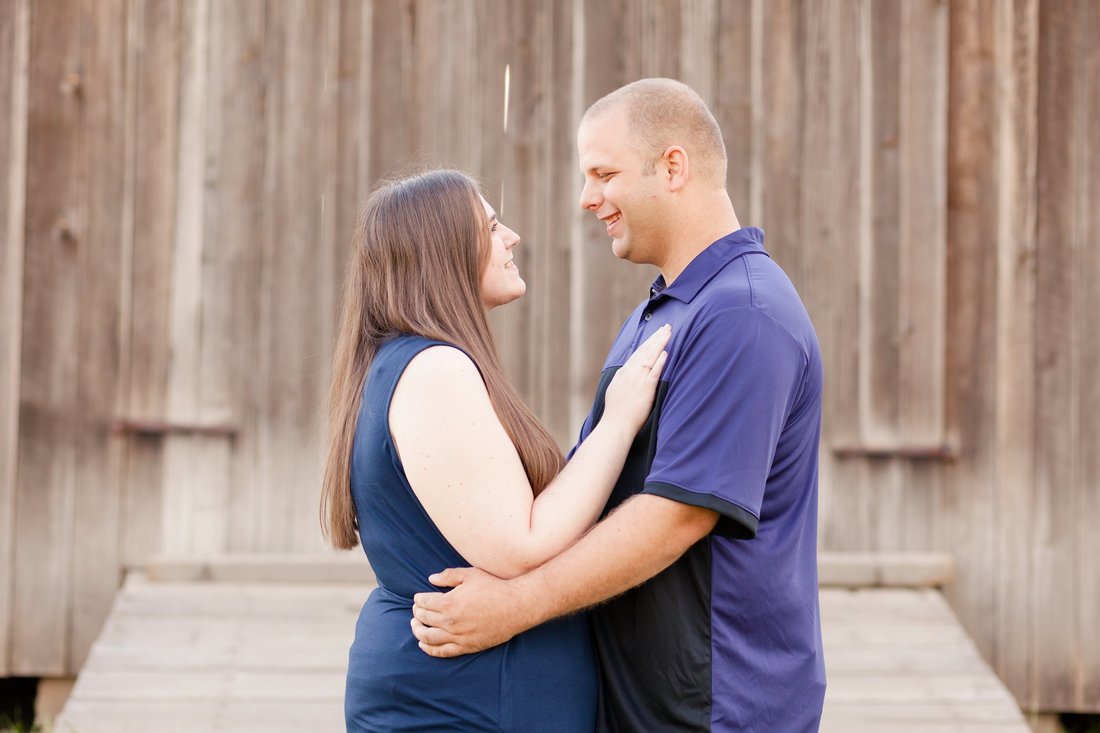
x: 436, y: 462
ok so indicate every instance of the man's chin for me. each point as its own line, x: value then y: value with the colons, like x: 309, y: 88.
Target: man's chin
x: 620, y: 248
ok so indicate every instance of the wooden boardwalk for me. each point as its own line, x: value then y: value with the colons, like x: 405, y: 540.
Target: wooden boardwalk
x: 223, y: 654
x: 899, y: 662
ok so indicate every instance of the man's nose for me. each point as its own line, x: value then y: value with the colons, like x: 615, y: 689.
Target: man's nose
x: 590, y: 198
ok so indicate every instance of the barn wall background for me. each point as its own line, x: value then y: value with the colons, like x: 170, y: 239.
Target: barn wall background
x: 178, y: 183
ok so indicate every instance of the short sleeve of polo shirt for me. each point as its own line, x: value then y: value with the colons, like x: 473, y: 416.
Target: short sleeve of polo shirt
x: 734, y: 386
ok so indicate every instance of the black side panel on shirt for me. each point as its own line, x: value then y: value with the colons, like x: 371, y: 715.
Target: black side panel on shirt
x: 654, y: 641
x: 654, y: 649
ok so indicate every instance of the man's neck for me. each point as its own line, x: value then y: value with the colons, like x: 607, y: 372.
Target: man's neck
x: 696, y: 234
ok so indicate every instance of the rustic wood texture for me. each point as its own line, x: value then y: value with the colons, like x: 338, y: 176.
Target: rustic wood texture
x: 154, y: 71
x: 1087, y: 268
x: 897, y: 660
x: 1013, y: 119
x: 1066, y: 308
x: 537, y: 184
x: 242, y: 656
x: 246, y: 229
x: 972, y: 288
x: 179, y: 187
x: 195, y: 468
x: 297, y: 295
x: 55, y: 233
x: 14, y: 54
x: 103, y: 330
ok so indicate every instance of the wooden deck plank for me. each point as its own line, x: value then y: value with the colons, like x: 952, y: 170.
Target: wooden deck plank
x: 835, y: 569
x: 898, y: 661
x: 225, y: 686
x: 186, y: 717
x: 250, y: 656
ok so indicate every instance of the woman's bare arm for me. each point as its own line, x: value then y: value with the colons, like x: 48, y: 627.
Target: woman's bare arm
x: 467, y: 474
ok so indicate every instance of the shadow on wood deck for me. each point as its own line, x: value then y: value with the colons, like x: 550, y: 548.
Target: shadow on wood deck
x: 247, y: 644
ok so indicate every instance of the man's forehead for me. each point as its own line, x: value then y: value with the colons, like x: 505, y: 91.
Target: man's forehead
x: 602, y: 137
x: 603, y: 122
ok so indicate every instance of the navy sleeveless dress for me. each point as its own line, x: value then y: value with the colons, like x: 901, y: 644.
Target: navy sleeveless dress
x: 541, y: 680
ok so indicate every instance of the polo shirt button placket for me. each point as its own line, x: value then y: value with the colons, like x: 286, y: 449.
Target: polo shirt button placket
x: 648, y: 316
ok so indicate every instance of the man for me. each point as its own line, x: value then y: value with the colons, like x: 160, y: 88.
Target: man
x: 709, y: 552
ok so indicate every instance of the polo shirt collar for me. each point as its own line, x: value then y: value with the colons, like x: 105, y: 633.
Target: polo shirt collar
x: 708, y: 262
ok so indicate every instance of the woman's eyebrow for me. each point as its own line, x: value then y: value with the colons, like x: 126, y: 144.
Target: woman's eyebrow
x: 492, y: 218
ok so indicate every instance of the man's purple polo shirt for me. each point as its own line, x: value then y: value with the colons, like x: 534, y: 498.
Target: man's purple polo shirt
x: 728, y: 638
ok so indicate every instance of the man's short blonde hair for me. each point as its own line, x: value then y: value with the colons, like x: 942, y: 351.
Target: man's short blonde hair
x: 664, y: 112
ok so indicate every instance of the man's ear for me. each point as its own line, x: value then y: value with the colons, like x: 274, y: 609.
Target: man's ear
x: 677, y: 167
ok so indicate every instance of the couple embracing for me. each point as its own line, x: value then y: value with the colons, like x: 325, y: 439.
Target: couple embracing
x: 664, y: 578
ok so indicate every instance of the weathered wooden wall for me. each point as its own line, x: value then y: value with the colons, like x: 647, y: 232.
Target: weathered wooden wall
x: 178, y: 181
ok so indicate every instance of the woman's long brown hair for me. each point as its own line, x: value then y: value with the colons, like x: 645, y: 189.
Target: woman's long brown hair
x: 421, y: 245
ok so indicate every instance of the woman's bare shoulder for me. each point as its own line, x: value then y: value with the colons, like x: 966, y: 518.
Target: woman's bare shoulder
x: 442, y: 367
x: 440, y: 384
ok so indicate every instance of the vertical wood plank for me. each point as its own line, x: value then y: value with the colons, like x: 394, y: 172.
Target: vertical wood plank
x: 352, y: 138
x: 264, y: 372
x: 353, y: 125
x: 505, y: 38
x: 646, y: 39
x: 733, y: 99
x: 698, y: 47
x: 392, y: 134
x: 836, y: 311
x: 879, y: 319
x: 230, y: 283
x: 432, y: 54
x: 1058, y: 246
x: 510, y: 154
x: 324, y: 319
x: 153, y: 104
x: 816, y: 269
x: 1013, y: 122
x: 227, y: 278
x: 55, y: 234
x: 561, y: 193
x: 923, y: 480
x: 14, y: 30
x: 1087, y: 662
x: 104, y: 297
x: 921, y: 219
x: 298, y: 295
x: 545, y: 175
x: 782, y: 159
x: 186, y: 477
x: 972, y: 288
x: 881, y: 479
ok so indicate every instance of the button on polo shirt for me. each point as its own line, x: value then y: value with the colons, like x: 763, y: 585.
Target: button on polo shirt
x: 728, y: 638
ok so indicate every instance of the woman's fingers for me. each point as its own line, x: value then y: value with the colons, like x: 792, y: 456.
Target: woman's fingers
x: 647, y: 353
x: 658, y: 366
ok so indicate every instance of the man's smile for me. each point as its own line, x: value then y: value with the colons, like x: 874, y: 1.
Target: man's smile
x: 611, y: 219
